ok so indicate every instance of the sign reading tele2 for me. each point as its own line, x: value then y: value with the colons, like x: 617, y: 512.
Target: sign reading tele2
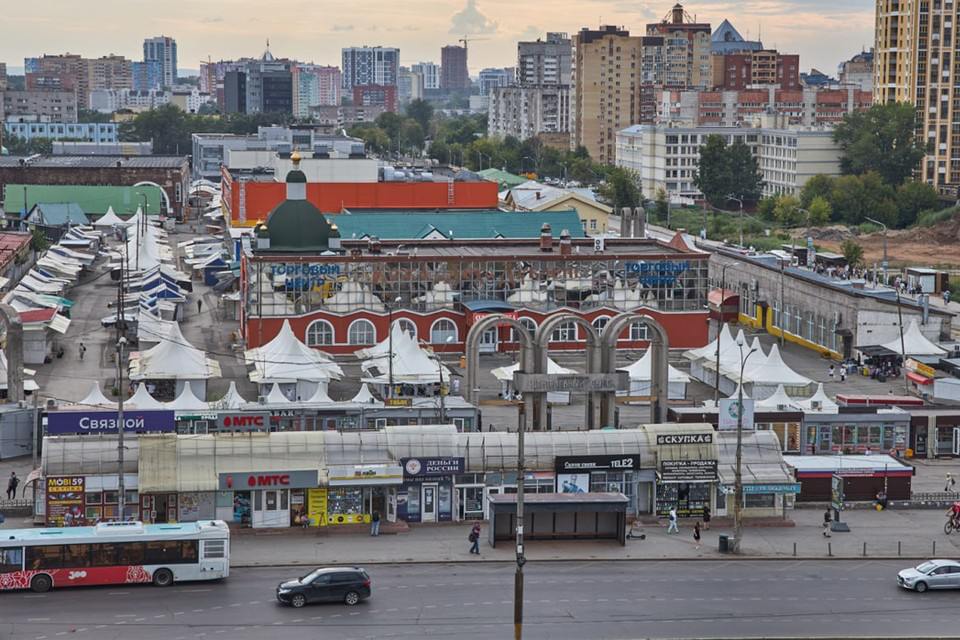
x: 578, y: 464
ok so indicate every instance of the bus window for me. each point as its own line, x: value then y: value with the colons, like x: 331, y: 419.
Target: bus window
x: 45, y: 557
x: 132, y: 553
x: 183, y: 552
x: 188, y: 551
x: 104, y: 555
x: 77, y: 555
x: 11, y: 560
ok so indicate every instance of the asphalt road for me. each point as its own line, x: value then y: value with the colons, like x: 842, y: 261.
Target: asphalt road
x: 463, y: 601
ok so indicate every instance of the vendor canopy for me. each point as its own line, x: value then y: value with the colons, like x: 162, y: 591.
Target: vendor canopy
x: 287, y: 359
x: 411, y: 363
x: 173, y: 359
x: 640, y: 370
x: 914, y: 343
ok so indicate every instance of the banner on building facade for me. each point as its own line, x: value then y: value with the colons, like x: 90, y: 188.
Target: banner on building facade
x: 730, y: 412
x: 65, y: 501
x: 688, y: 471
x: 66, y: 422
x: 416, y: 467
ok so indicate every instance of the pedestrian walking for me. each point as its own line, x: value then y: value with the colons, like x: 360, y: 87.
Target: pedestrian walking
x: 843, y: 374
x: 827, y: 517
x: 474, y: 538
x: 199, y: 305
x: 375, y: 524
x: 12, y: 485
x: 82, y: 350
x: 673, y: 527
x: 706, y: 517
x: 696, y: 534
x: 830, y: 372
x: 950, y: 483
x: 946, y: 297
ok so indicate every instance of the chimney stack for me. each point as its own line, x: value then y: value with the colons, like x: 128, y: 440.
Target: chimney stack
x: 639, y: 222
x: 546, y: 238
x: 626, y: 222
x: 565, y: 243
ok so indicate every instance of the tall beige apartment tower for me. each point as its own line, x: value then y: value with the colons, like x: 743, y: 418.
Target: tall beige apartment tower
x: 606, y: 85
x: 917, y: 60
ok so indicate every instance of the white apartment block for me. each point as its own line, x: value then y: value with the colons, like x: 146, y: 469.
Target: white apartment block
x: 667, y: 158
x: 524, y: 112
x: 430, y: 72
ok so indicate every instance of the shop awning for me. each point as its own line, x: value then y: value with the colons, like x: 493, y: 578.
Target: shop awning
x: 719, y: 297
x: 916, y: 378
x: 353, y: 475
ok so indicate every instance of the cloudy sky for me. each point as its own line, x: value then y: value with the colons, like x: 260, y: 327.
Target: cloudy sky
x: 823, y: 32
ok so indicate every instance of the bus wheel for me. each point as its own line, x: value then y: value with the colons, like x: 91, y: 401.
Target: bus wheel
x: 41, y: 583
x: 162, y: 577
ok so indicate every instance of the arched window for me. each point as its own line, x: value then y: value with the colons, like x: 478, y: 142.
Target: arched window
x: 319, y: 333
x: 639, y: 331
x: 361, y: 332
x: 565, y: 332
x: 529, y: 323
x: 441, y: 330
x: 406, y: 325
x: 599, y: 323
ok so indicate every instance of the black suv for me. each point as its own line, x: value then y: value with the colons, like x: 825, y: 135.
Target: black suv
x: 348, y: 585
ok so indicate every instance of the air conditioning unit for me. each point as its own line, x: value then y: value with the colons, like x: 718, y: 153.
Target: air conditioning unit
x: 816, y: 405
x: 261, y: 399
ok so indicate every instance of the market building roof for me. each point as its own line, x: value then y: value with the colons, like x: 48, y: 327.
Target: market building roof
x: 296, y: 225
x: 441, y: 225
x: 505, y: 179
x: 94, y: 200
x: 57, y: 214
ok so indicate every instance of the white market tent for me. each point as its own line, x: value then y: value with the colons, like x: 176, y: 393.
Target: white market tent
x: 95, y: 398
x: 111, y: 219
x: 231, y: 400
x: 174, y: 359
x: 153, y: 329
x: 641, y: 378
x: 710, y: 350
x: 914, y: 343
x: 442, y: 295
x: 364, y: 396
x: 819, y: 402
x: 779, y: 401
x: 143, y: 400
x: 772, y: 371
x: 187, y: 400
x: 505, y: 376
x: 411, y: 364
x: 276, y: 395
x: 353, y: 296
x: 28, y: 385
x: 288, y: 361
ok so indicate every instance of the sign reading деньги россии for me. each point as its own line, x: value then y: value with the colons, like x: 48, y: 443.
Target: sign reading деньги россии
x: 65, y: 422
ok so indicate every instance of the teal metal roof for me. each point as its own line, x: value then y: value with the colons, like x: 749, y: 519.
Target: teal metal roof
x: 474, y: 225
x: 58, y: 214
x: 93, y: 199
x: 505, y: 179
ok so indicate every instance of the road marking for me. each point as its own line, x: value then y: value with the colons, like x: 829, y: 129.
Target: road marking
x: 63, y: 633
x: 198, y: 610
x: 81, y: 629
x: 195, y: 590
x: 38, y: 619
x: 139, y: 619
x: 224, y: 630
x: 315, y: 617
x: 163, y: 616
x: 301, y: 619
x: 118, y: 593
x: 221, y: 607
x: 178, y: 613
x: 278, y: 622
x: 125, y: 615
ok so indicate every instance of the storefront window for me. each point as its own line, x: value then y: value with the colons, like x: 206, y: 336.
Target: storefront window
x: 688, y: 498
x: 345, y: 500
x: 759, y: 500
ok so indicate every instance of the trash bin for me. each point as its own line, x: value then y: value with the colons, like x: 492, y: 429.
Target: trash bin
x: 724, y: 544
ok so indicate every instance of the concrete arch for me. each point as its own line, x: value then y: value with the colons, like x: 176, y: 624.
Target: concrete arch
x: 659, y: 367
x: 472, y: 353
x: 163, y: 194
x: 541, y: 352
x: 10, y: 319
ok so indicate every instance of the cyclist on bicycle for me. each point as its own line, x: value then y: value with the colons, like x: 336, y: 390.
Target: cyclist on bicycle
x: 954, y: 515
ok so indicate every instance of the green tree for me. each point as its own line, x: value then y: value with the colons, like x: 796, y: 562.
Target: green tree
x: 621, y: 188
x: 663, y: 206
x: 374, y: 137
x: 411, y: 135
x: 714, y: 176
x: 854, y: 198
x: 880, y: 139
x: 767, y: 208
x: 390, y: 123
x: 787, y: 211
x: 913, y: 198
x: 852, y: 252
x: 38, y: 241
x: 819, y: 212
x: 819, y: 185
x: 747, y: 181
x: 422, y: 112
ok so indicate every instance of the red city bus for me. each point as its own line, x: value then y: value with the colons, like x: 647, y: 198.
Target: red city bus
x: 114, y: 553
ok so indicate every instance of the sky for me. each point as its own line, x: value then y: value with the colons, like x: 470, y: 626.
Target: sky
x: 823, y: 32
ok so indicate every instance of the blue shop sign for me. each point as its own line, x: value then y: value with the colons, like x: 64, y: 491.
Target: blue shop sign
x: 771, y: 488
x: 65, y: 422
x: 305, y: 276
x: 418, y: 467
x: 661, y: 273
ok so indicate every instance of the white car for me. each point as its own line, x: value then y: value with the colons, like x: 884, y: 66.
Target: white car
x: 932, y: 574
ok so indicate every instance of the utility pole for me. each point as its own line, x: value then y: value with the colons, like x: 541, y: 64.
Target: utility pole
x: 723, y: 288
x: 738, y: 478
x: 521, y: 560
x: 121, y: 341
x: 36, y: 444
x: 885, y: 263
x: 903, y: 347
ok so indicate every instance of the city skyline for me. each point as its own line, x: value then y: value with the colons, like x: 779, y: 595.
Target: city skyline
x: 822, y: 33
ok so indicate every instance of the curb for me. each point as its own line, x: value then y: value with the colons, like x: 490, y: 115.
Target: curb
x: 577, y: 560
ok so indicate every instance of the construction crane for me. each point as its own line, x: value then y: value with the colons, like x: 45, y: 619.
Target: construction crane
x: 465, y: 40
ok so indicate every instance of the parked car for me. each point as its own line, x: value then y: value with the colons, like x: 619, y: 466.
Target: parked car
x: 932, y: 574
x: 349, y: 585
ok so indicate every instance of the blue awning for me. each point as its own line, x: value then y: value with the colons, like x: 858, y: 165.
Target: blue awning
x: 488, y: 306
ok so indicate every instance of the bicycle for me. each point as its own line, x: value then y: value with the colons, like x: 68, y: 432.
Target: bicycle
x: 950, y: 526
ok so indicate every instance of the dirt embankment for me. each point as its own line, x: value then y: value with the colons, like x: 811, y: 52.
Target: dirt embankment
x: 937, y: 246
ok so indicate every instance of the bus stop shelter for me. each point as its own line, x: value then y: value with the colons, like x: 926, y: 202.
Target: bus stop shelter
x: 559, y: 516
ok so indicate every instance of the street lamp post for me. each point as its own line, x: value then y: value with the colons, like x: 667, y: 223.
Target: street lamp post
x: 723, y: 288
x: 885, y: 263
x: 738, y: 478
x: 739, y: 200
x: 443, y: 405
x: 390, y: 307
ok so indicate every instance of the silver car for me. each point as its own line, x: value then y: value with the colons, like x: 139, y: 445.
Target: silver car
x: 932, y: 574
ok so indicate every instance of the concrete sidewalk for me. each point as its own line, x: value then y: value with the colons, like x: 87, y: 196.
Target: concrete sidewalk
x: 914, y: 533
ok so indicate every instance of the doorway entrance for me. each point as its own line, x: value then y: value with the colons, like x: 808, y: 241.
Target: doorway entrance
x: 378, y: 501
x: 470, y: 503
x: 489, y: 341
x: 428, y: 501
x: 956, y: 441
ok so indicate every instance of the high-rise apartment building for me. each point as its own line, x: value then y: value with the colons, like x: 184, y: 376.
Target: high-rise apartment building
x: 916, y: 61
x: 734, y: 71
x: 146, y: 76
x: 687, y: 48
x: 409, y: 86
x: 430, y: 72
x: 370, y: 65
x: 545, y: 62
x: 857, y: 71
x: 70, y: 72
x: 162, y: 49
x: 606, y: 88
x: 493, y: 77
x: 3, y: 76
x: 55, y: 73
x: 453, y: 68
x: 315, y: 85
